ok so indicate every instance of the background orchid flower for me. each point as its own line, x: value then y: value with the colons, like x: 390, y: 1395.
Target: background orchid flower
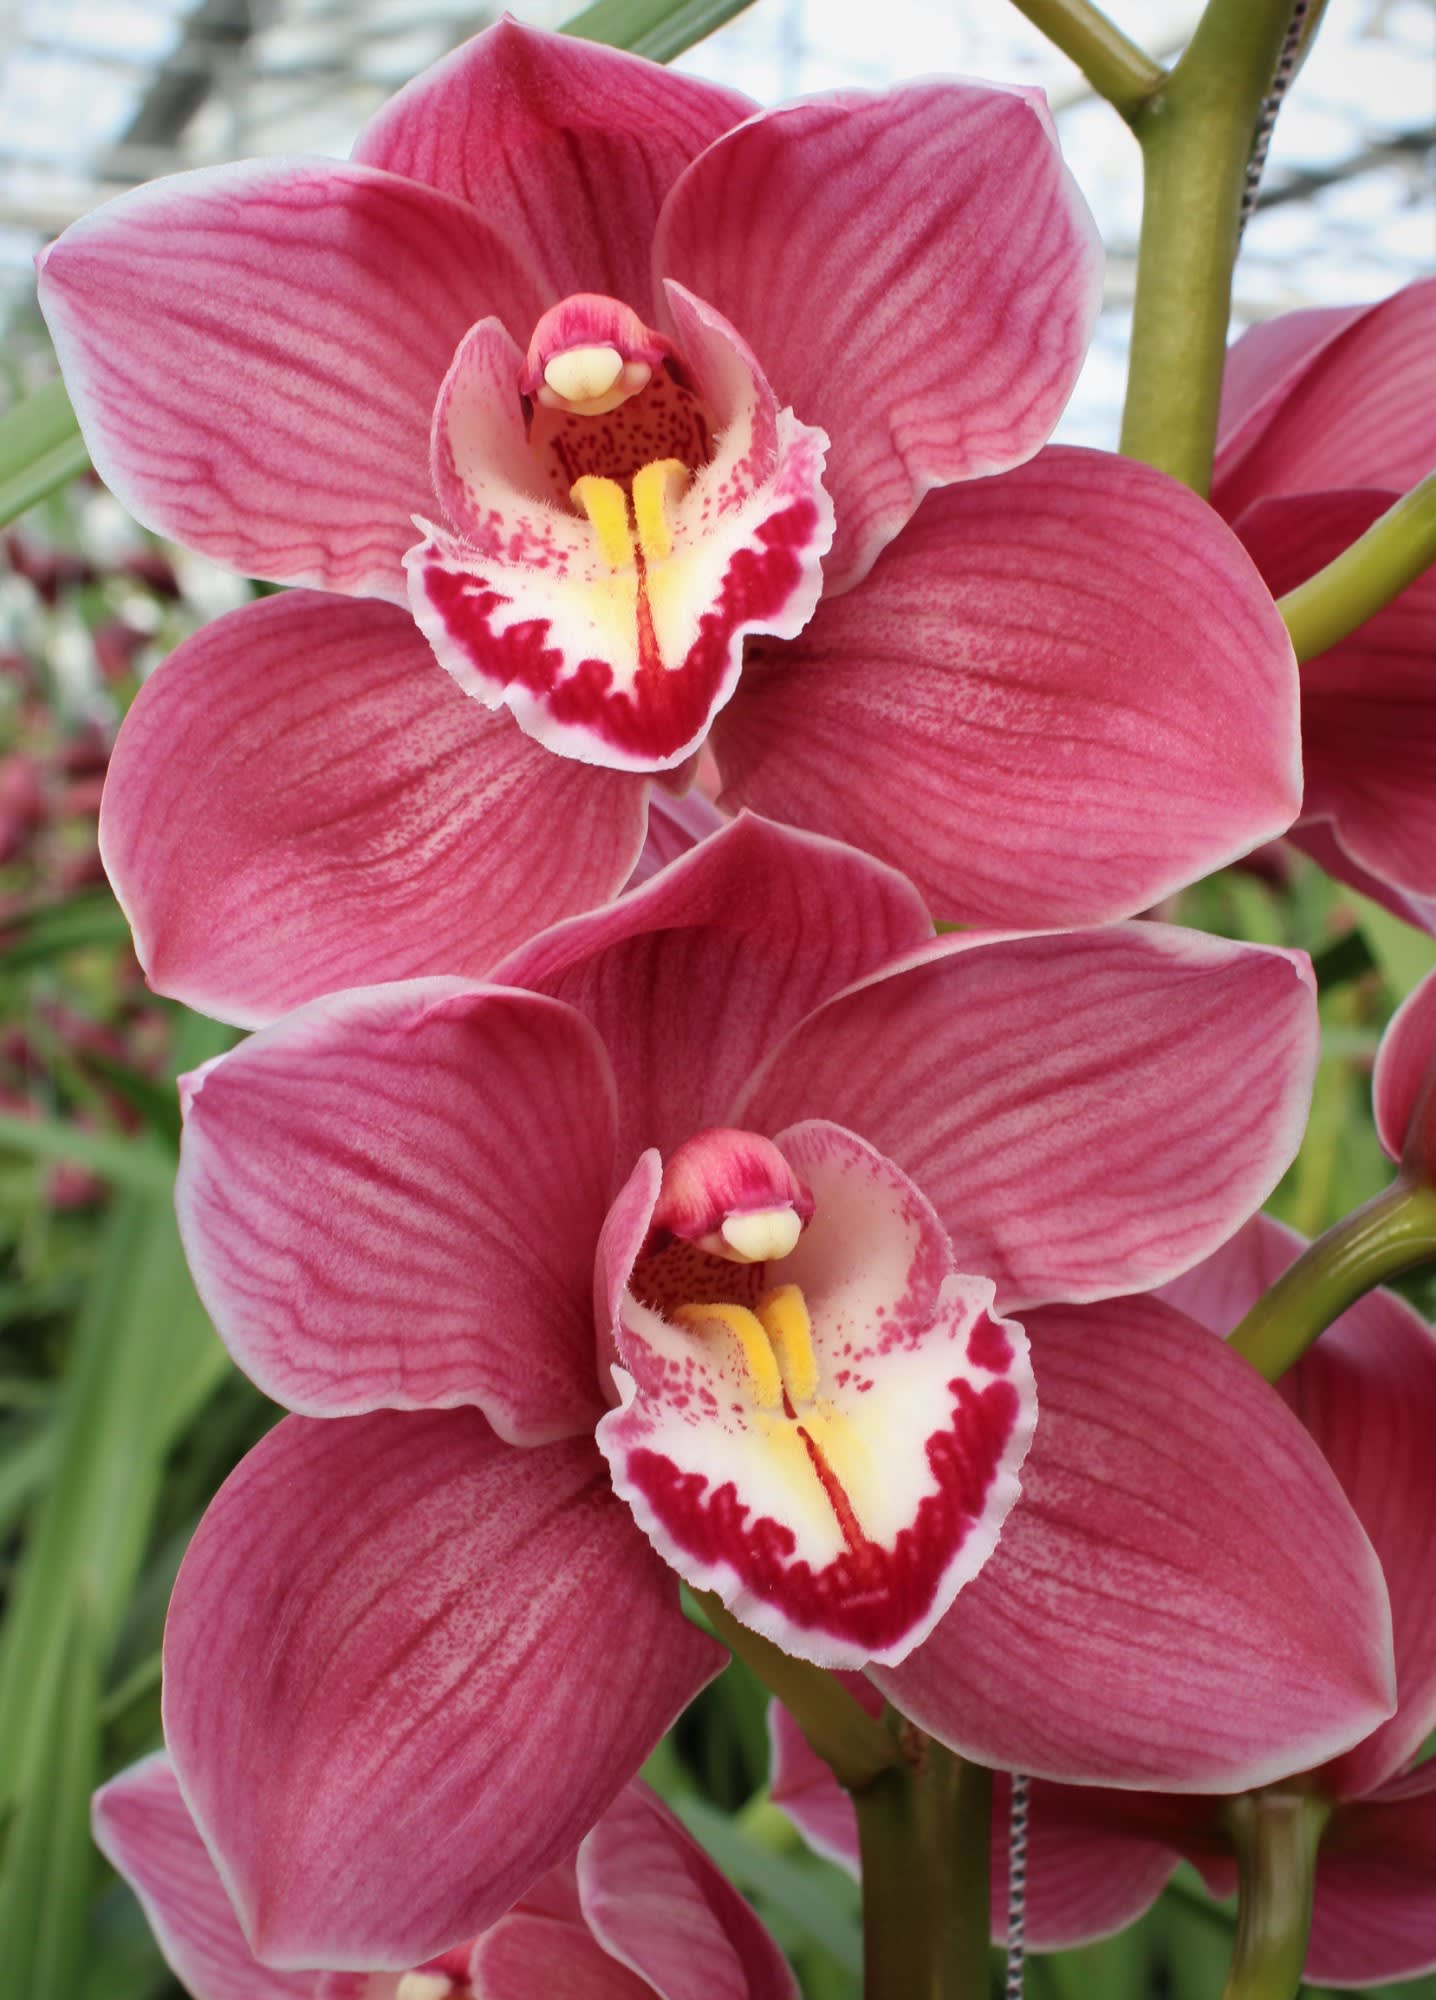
x: 648, y: 371
x: 579, y: 1282
x: 638, y: 1913
x: 1327, y: 419
x: 1097, y: 1859
x: 1403, y: 1083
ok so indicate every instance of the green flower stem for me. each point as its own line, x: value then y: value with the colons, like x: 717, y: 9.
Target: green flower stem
x: 1393, y: 552
x: 853, y: 1744
x: 924, y: 1828
x: 1390, y: 1234
x: 1196, y: 136
x: 1115, y: 67
x: 1276, y: 1835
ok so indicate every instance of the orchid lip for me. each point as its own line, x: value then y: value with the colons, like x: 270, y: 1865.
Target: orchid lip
x: 622, y: 510
x: 827, y: 1435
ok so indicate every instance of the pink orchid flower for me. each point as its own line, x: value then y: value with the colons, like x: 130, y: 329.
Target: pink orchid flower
x: 1327, y: 419
x: 693, y: 1249
x: 597, y: 371
x: 638, y: 1913
x: 1097, y: 1859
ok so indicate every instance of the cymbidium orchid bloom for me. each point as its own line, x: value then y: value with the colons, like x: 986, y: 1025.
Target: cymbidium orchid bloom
x: 695, y: 1245
x: 638, y: 1913
x: 1327, y: 419
x: 1097, y: 1859
x: 597, y: 371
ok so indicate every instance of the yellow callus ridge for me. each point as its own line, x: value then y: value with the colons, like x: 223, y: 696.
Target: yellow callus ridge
x: 656, y: 490
x: 606, y: 505
x: 783, y: 1316
x: 775, y: 1342
x: 753, y: 1343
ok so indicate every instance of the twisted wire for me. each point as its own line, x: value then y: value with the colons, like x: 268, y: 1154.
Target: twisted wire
x: 1016, y: 1887
x: 1270, y: 105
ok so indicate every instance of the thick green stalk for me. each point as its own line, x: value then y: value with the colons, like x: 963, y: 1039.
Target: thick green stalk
x: 853, y: 1744
x: 1393, y: 552
x: 1114, y: 66
x: 1390, y: 1234
x: 1196, y: 136
x: 924, y: 1831
x: 1276, y: 1835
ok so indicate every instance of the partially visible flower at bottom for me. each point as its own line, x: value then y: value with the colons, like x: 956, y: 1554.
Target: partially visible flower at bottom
x: 1098, y: 1859
x: 638, y: 1913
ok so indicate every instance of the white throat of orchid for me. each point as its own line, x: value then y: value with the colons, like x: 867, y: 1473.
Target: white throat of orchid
x: 819, y: 1418
x: 624, y: 507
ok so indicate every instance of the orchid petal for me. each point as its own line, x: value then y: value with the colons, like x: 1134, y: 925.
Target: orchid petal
x: 1317, y: 839
x: 562, y: 146
x: 772, y: 920
x: 390, y: 1200
x: 1367, y: 1393
x: 253, y: 352
x: 300, y: 801
x: 143, y: 1828
x: 1139, y: 1624
x: 1037, y: 730
x: 840, y: 1509
x: 1357, y: 414
x: 1367, y: 705
x: 675, y: 826
x: 1051, y: 1096
x: 616, y: 655
x: 656, y: 1902
x: 524, y: 1957
x: 1265, y: 364
x: 915, y: 269
x: 1374, y: 1916
x: 1405, y: 1061
x: 401, y: 1678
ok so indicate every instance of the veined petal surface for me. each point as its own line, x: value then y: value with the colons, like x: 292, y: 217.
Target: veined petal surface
x: 143, y: 1827
x: 401, y: 1678
x: 1368, y: 704
x: 563, y: 146
x: 1032, y: 705
x: 390, y: 1200
x: 1088, y: 1114
x: 917, y: 273
x: 532, y: 1957
x: 1374, y: 1916
x: 1358, y: 414
x: 1367, y: 1393
x: 253, y: 352
x: 772, y: 920
x: 1138, y: 1624
x: 300, y: 801
x: 655, y: 1901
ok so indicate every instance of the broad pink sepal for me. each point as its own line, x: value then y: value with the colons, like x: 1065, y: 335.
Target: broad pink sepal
x: 431, y: 1635
x: 1197, y: 1652
x: 1037, y: 733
